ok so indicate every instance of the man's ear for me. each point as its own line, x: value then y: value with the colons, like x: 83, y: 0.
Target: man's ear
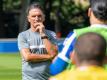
x: 72, y: 57
x: 28, y: 18
x: 89, y: 12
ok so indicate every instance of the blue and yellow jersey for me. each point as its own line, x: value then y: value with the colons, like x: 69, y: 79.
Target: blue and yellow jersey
x: 82, y: 73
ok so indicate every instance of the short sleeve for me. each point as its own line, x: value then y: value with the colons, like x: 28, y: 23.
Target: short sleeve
x: 22, y: 41
x: 52, y: 37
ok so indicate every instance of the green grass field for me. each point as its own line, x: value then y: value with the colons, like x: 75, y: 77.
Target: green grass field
x: 10, y: 66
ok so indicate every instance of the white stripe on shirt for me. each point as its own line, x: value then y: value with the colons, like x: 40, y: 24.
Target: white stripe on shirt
x: 66, y: 47
x: 40, y: 46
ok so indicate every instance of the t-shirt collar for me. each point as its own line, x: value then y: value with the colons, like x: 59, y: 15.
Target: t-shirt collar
x: 99, y: 25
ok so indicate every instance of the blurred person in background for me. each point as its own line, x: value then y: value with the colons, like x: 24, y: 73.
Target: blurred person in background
x: 89, y: 53
x: 97, y: 13
x: 37, y: 45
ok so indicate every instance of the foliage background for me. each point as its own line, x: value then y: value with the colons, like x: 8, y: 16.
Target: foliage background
x: 61, y: 15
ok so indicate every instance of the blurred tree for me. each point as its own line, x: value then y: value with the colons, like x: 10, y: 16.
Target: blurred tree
x: 11, y: 5
x: 2, y: 31
x: 61, y: 15
x: 23, y: 19
x: 69, y: 15
x: 48, y: 8
x: 9, y: 18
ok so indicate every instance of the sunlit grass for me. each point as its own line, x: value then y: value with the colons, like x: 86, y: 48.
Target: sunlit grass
x: 10, y: 66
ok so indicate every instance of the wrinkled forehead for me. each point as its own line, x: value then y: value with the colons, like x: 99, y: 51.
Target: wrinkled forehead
x: 35, y: 11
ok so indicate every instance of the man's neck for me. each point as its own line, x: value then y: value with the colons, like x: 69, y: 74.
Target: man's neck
x: 90, y: 63
x: 97, y: 21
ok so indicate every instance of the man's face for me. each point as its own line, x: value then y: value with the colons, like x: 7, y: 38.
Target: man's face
x: 34, y: 16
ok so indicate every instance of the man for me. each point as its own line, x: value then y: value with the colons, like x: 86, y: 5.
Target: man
x: 89, y: 53
x: 98, y: 19
x: 36, y: 45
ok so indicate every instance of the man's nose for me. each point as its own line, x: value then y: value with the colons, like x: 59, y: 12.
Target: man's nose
x: 36, y: 18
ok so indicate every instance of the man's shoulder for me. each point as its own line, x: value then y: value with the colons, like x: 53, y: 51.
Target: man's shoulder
x: 50, y: 33
x: 65, y: 75
x: 59, y: 76
x: 82, y: 74
x: 24, y: 32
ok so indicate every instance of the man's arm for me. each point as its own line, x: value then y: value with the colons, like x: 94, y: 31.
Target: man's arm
x: 28, y: 56
x: 34, y: 57
x: 51, y: 48
x: 26, y: 53
x: 62, y: 60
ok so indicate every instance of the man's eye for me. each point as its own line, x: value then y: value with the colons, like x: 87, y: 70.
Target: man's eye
x: 37, y: 16
x: 33, y: 16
